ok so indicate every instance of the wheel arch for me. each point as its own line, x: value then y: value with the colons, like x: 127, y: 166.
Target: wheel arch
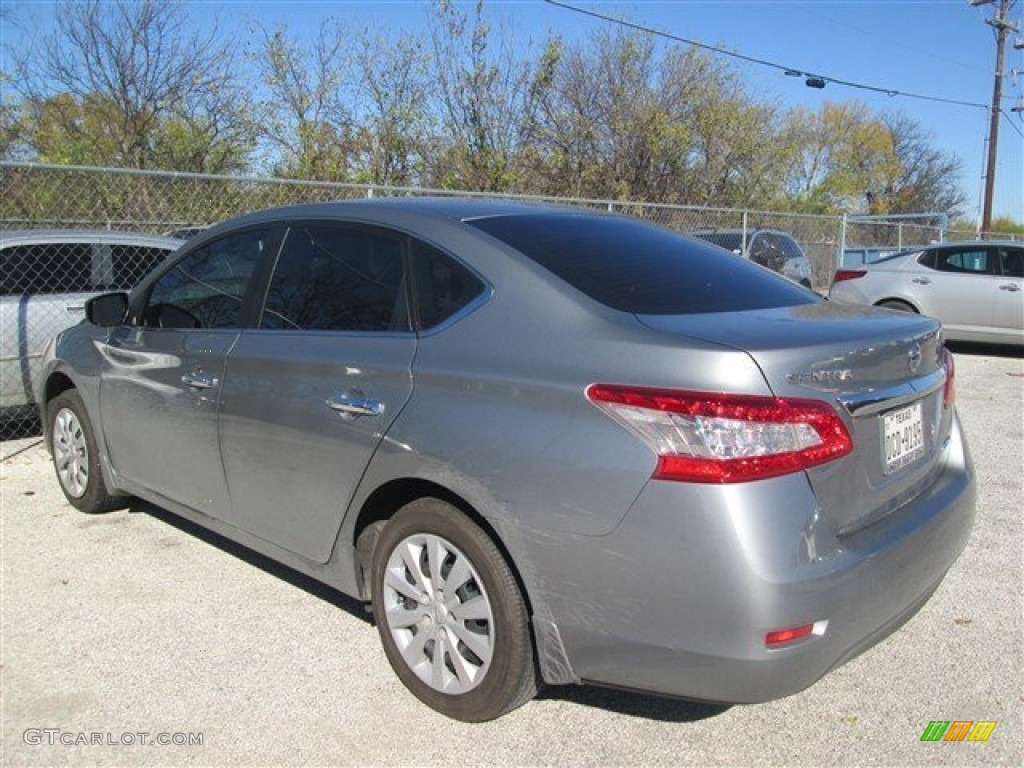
x: 390, y: 497
x: 889, y: 300
x: 56, y: 384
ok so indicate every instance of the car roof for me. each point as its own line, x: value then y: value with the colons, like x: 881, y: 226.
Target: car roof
x: 448, y: 208
x: 42, y: 236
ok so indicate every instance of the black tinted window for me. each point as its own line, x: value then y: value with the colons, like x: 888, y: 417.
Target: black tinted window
x: 731, y: 241
x: 1012, y: 261
x: 130, y: 263
x: 205, y: 289
x: 336, y: 278
x: 443, y: 286
x: 637, y: 267
x: 46, y: 268
x: 970, y: 260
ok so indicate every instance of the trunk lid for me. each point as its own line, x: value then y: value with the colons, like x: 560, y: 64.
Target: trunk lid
x: 882, y: 371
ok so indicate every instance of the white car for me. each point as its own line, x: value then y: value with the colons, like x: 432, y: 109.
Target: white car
x: 45, y: 278
x: 974, y: 288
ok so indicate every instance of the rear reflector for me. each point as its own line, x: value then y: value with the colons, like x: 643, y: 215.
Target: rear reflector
x: 778, y: 637
x: 706, y: 437
x: 847, y: 274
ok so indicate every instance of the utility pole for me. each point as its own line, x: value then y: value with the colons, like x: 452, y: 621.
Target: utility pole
x: 1001, y: 23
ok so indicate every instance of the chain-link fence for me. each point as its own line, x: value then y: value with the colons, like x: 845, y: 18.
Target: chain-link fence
x: 45, y: 284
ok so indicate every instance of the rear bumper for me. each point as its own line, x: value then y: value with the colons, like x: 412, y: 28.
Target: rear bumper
x: 678, y: 599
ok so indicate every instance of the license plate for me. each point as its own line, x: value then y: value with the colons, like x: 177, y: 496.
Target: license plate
x: 902, y: 437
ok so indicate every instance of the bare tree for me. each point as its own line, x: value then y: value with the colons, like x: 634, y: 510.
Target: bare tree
x: 486, y: 101
x: 306, y: 120
x: 395, y: 120
x: 140, y: 65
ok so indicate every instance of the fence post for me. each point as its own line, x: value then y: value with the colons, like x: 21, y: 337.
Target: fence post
x: 841, y: 251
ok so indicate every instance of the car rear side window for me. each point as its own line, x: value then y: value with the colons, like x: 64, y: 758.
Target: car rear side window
x: 338, y: 278
x: 205, y: 288
x: 46, y: 268
x: 637, y: 267
x: 969, y: 260
x: 442, y: 285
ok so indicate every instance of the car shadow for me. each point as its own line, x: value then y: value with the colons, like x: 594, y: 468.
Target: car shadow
x: 988, y: 350
x: 306, y: 583
x: 635, y: 704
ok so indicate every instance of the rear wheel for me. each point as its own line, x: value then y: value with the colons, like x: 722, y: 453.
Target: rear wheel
x: 75, y: 456
x: 450, y: 614
x: 902, y: 306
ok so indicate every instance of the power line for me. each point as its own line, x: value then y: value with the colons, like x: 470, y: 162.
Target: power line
x: 813, y: 79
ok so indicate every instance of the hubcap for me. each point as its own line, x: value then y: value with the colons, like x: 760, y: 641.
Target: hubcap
x: 438, y: 613
x: 70, y: 453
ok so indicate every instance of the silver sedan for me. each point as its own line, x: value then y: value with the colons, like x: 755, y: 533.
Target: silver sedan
x: 974, y: 288
x: 548, y: 446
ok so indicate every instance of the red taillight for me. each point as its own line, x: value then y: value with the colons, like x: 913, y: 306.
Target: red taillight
x: 948, y: 391
x: 847, y: 274
x: 707, y: 437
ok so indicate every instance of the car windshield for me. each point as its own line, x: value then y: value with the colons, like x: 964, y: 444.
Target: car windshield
x: 633, y: 266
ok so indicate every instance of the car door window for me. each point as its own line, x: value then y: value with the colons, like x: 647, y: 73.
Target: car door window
x: 130, y: 263
x: 46, y: 268
x: 1012, y: 261
x: 966, y: 261
x: 442, y: 285
x: 205, y: 288
x: 333, y: 277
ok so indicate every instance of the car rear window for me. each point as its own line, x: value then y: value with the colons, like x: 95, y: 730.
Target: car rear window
x: 633, y: 266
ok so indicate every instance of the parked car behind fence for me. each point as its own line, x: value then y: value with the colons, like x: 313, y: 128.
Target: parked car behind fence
x: 45, y: 278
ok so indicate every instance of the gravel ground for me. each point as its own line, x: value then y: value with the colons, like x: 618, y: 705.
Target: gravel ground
x: 135, y: 625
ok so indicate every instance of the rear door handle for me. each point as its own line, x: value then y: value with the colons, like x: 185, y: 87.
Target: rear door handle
x: 199, y: 380
x: 354, y: 404
x: 72, y: 308
x: 921, y: 280
x: 1011, y: 287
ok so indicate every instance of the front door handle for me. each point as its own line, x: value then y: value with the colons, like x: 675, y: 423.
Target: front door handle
x: 199, y: 380
x: 1011, y: 287
x: 921, y: 280
x: 354, y: 404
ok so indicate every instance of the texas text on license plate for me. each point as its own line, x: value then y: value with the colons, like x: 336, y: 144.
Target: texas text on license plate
x: 902, y: 437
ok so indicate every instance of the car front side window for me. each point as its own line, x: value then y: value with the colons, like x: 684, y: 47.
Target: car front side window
x: 205, y: 288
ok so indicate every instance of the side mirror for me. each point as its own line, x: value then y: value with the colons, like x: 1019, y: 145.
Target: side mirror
x: 107, y: 310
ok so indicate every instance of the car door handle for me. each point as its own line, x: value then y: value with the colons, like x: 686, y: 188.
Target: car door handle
x: 199, y: 380
x: 921, y: 280
x: 1012, y: 287
x: 70, y: 308
x: 353, y: 405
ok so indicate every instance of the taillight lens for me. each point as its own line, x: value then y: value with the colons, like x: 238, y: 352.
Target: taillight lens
x: 721, y: 438
x: 948, y: 391
x: 847, y: 274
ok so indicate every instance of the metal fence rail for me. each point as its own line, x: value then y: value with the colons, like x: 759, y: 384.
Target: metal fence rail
x: 34, y: 196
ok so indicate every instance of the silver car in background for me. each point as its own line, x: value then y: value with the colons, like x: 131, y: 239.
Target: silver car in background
x: 548, y: 445
x: 975, y: 288
x: 45, y: 278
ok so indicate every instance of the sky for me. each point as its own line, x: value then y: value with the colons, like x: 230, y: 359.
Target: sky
x: 936, y: 48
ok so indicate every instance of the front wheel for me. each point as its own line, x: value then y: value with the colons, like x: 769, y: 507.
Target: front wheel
x: 450, y: 614
x: 75, y: 456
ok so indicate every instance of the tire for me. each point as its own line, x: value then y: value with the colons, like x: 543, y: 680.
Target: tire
x: 75, y: 456
x: 419, y: 550
x: 896, y: 304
